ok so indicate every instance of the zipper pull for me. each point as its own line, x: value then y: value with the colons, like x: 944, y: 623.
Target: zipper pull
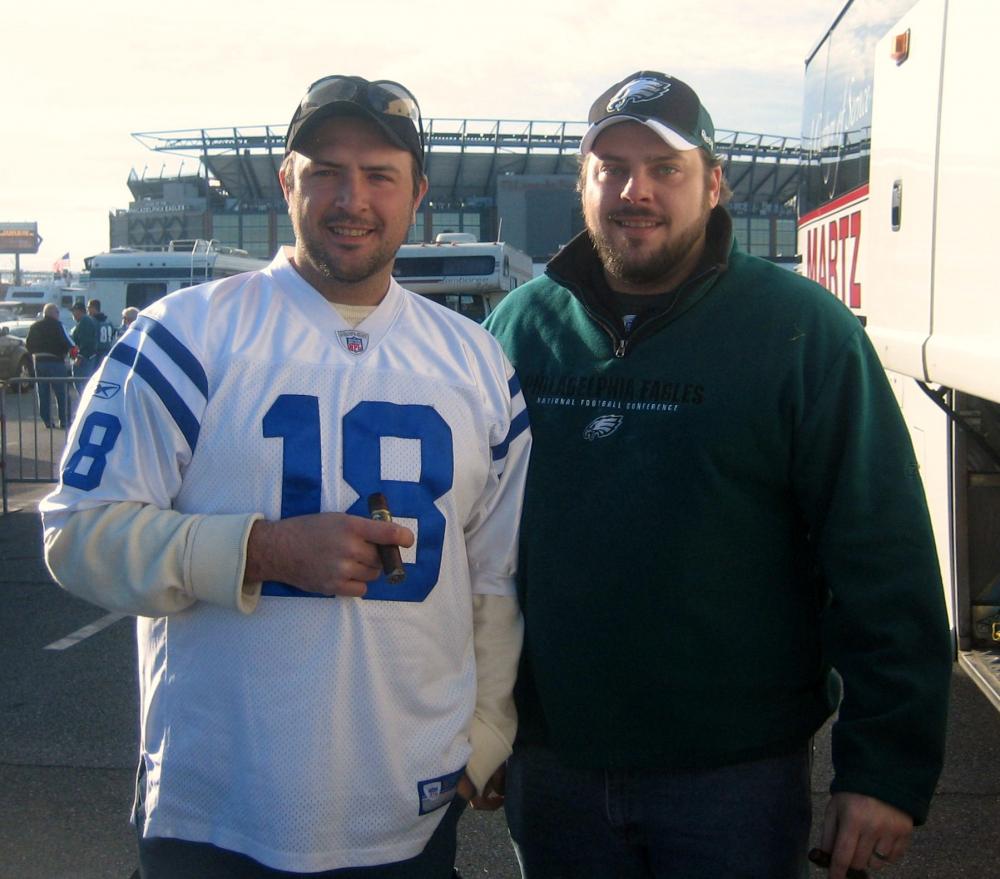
x: 620, y: 348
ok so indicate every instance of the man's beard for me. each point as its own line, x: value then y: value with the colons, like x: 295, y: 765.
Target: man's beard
x: 336, y: 270
x: 620, y: 262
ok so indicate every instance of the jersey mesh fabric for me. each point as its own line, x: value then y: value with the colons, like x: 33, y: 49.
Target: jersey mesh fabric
x: 406, y: 668
x: 300, y: 735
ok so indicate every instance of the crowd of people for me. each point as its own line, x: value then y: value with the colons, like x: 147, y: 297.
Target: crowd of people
x: 658, y: 519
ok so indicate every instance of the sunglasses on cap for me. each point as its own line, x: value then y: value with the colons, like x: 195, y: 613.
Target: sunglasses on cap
x: 388, y: 103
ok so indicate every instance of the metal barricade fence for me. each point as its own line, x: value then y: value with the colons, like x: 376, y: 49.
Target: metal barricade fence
x: 31, y: 446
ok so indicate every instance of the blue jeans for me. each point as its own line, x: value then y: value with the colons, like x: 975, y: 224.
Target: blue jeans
x: 750, y: 820
x: 165, y: 858
x: 83, y: 371
x: 45, y: 369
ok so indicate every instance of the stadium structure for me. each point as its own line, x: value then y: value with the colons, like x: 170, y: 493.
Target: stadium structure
x: 508, y: 179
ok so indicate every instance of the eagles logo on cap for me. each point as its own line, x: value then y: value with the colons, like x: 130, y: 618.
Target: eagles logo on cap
x: 636, y: 91
x: 662, y: 103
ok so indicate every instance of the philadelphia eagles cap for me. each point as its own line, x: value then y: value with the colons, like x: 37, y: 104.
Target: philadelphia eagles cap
x: 662, y: 103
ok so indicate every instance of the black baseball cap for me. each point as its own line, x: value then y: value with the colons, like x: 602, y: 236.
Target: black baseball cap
x: 388, y: 104
x: 662, y: 103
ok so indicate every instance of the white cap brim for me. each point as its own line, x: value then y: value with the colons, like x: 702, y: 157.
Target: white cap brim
x: 668, y: 135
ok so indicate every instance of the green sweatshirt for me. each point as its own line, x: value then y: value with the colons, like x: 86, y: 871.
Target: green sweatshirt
x: 716, y: 519
x: 84, y: 336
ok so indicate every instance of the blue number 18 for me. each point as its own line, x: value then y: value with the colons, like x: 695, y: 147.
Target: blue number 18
x: 295, y: 419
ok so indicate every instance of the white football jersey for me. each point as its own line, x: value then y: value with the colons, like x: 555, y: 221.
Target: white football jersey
x: 315, y: 733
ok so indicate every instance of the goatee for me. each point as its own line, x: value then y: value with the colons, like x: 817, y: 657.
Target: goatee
x: 634, y: 269
x: 334, y: 270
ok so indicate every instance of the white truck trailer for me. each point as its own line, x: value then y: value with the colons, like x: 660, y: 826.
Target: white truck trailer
x: 901, y: 177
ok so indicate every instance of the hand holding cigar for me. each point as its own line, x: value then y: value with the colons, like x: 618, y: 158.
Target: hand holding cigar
x: 392, y: 561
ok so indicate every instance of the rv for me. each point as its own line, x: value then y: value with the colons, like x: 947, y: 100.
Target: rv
x: 126, y: 277
x: 897, y: 156
x: 461, y: 273
x: 29, y: 300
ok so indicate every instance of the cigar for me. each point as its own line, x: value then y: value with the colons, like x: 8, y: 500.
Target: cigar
x: 822, y: 859
x: 388, y: 553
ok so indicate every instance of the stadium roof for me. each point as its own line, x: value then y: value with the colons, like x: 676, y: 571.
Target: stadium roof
x: 466, y: 156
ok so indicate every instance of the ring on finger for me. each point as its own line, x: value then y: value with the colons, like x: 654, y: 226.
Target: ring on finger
x: 876, y: 853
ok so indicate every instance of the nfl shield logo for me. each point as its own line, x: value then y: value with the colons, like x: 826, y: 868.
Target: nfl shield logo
x: 354, y: 341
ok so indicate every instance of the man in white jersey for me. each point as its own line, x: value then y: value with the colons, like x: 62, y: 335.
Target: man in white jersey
x: 300, y: 712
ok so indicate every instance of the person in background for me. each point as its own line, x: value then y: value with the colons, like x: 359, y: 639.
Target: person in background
x: 84, y: 337
x: 128, y: 318
x: 49, y: 346
x: 303, y: 712
x: 754, y: 537
x: 105, y: 331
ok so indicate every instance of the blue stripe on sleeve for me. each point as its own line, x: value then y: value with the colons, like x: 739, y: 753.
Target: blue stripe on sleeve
x: 518, y: 426
x: 514, y: 385
x: 123, y: 354
x: 178, y: 409
x: 184, y: 359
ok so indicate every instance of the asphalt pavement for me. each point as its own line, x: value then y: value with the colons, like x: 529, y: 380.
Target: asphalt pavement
x: 68, y: 744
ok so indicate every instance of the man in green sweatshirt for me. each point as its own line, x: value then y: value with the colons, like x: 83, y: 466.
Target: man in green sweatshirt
x: 85, y: 338
x: 724, y: 532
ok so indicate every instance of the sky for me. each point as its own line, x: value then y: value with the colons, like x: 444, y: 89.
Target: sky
x: 80, y: 79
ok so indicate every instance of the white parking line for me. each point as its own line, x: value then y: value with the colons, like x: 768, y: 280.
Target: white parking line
x: 80, y: 634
